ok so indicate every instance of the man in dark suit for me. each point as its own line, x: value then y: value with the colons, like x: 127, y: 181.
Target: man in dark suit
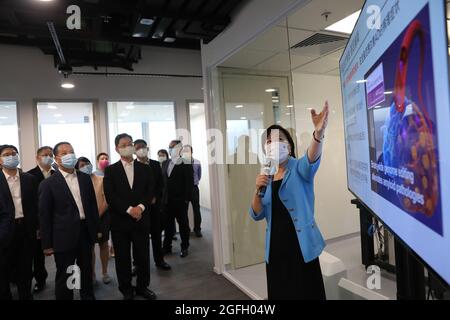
x: 129, y: 190
x: 178, y: 186
x: 18, y: 224
x: 142, y: 150
x: 42, y: 171
x: 69, y: 223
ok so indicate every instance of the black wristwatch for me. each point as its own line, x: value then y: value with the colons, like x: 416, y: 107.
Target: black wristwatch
x: 317, y: 140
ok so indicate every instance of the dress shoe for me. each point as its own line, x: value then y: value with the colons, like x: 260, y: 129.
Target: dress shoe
x: 198, y: 234
x: 163, y: 266
x: 128, y: 296
x: 184, y: 253
x: 146, y: 294
x: 38, y: 287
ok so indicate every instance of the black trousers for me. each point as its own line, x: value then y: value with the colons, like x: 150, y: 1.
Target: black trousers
x: 123, y: 241
x: 196, y: 207
x: 176, y: 209
x: 16, y: 260
x: 155, y: 231
x: 39, y: 272
x: 82, y: 256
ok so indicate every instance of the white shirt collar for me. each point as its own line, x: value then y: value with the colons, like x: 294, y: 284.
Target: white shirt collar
x: 67, y: 174
x: 43, y: 170
x: 126, y: 163
x: 7, y: 176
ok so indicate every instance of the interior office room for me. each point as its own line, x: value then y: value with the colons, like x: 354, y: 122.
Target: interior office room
x: 215, y: 75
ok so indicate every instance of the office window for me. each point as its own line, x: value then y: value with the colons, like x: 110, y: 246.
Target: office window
x: 68, y: 121
x: 9, y: 131
x: 152, y: 121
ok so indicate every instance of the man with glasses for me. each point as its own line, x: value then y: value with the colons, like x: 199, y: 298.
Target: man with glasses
x: 18, y: 223
x: 42, y: 171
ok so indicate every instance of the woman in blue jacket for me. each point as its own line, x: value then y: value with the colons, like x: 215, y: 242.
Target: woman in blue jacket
x: 293, y: 241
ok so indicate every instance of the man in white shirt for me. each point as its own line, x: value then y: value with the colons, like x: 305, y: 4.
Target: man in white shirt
x: 42, y: 171
x: 69, y: 223
x: 18, y: 222
x: 129, y: 189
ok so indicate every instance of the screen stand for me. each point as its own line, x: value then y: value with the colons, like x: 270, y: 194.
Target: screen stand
x: 410, y: 274
x: 367, y: 247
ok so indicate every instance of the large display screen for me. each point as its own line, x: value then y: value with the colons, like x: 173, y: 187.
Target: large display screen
x: 395, y: 86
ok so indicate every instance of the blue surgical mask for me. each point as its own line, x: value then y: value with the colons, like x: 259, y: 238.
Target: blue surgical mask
x: 46, y: 160
x: 87, y: 169
x: 69, y: 161
x: 11, y: 162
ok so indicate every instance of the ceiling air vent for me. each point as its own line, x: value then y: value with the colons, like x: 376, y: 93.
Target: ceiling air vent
x: 319, y: 44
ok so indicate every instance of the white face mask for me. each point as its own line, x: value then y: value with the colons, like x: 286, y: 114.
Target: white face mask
x: 175, y: 152
x: 162, y: 159
x: 142, y: 153
x: 127, y: 151
x: 277, y: 151
x: 187, y: 156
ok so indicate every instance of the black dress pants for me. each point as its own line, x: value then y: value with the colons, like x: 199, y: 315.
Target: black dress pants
x: 39, y: 272
x: 176, y: 209
x: 196, y: 208
x: 16, y: 260
x: 123, y: 241
x: 67, y: 277
x: 155, y: 231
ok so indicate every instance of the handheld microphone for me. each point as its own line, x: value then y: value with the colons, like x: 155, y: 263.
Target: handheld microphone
x: 268, y: 171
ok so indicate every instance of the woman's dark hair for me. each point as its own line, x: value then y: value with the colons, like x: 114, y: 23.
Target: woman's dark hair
x: 102, y: 154
x: 82, y: 159
x: 274, y: 127
x: 165, y: 152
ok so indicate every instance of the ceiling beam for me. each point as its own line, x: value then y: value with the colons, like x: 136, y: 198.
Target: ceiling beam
x: 42, y: 32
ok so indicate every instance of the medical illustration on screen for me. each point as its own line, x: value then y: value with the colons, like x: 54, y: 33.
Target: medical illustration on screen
x: 402, y: 115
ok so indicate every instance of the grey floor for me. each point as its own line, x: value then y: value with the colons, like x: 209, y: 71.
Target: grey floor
x: 191, y: 278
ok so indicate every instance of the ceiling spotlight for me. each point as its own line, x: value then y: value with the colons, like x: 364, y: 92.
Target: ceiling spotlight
x: 271, y: 90
x: 146, y: 22
x: 169, y: 39
x: 290, y: 106
x: 243, y: 118
x: 67, y: 85
x: 239, y: 106
x: 51, y: 107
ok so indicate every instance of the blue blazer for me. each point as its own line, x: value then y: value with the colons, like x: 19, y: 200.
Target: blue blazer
x: 297, y: 194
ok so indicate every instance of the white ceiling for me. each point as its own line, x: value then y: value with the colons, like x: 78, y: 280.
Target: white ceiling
x: 270, y: 51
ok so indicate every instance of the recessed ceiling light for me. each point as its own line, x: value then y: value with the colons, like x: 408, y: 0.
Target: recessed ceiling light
x: 52, y: 107
x: 57, y: 115
x: 146, y: 22
x: 271, y: 90
x: 262, y: 113
x: 239, y: 106
x: 345, y: 25
x: 290, y: 106
x: 67, y: 85
x: 169, y: 39
x: 2, y: 117
x: 243, y: 118
x: 279, y: 121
